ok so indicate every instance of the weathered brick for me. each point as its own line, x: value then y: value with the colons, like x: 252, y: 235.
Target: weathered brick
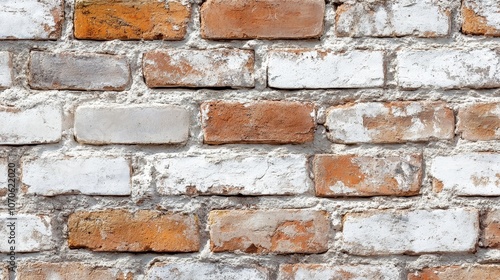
x: 297, y: 69
x: 199, y: 68
x: 491, y: 229
x: 33, y: 233
x: 131, y: 19
x: 268, y: 122
x: 31, y: 19
x: 209, y: 271
x: 344, y: 272
x: 391, y: 122
x: 41, y: 124
x: 265, y: 231
x: 481, y: 17
x: 4, y: 271
x: 91, y: 176
x: 462, y: 272
x: 140, y: 124
x: 234, y: 175
x: 392, y: 19
x: 267, y: 19
x: 78, y: 71
x: 3, y: 177
x: 479, y: 122
x: 448, y: 68
x: 69, y: 270
x: 140, y: 231
x: 351, y: 175
x: 467, y: 174
x: 411, y: 232
x: 5, y: 70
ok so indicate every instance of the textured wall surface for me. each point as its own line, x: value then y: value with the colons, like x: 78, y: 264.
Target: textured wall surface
x: 250, y: 139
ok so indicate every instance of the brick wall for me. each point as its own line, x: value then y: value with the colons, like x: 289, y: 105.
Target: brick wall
x: 245, y: 139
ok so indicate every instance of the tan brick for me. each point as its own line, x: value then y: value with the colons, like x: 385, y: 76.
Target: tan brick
x: 469, y: 272
x: 481, y: 17
x: 491, y: 230
x: 479, y: 122
x: 268, y: 122
x: 4, y: 272
x: 124, y: 231
x: 199, y: 68
x: 265, y: 231
x: 68, y: 270
x: 351, y: 175
x: 131, y: 19
x: 337, y: 272
x: 262, y: 19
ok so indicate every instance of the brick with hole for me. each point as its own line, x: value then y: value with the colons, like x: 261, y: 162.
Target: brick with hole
x: 491, y: 229
x: 261, y: 122
x: 32, y: 232
x: 344, y: 272
x: 479, y: 122
x: 353, y: 175
x: 5, y: 70
x: 140, y: 231
x: 262, y: 19
x: 457, y: 272
x: 481, y: 17
x: 199, y: 68
x: 69, y: 270
x: 205, y: 270
x: 269, y: 231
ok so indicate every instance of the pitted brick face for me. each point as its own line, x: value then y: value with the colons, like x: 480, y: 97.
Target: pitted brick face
x: 478, y: 122
x: 476, y: 272
x: 481, y: 17
x: 70, y: 270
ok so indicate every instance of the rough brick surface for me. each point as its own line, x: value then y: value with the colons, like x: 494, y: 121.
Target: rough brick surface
x: 254, y: 175
x: 199, y: 68
x: 479, y: 122
x: 259, y: 122
x: 481, y: 17
x: 31, y: 19
x: 268, y: 19
x: 265, y: 231
x: 465, y: 272
x: 410, y: 232
x: 38, y: 125
x: 91, y: 176
x: 131, y: 19
x: 392, y: 19
x: 393, y: 122
x: 297, y: 69
x: 344, y: 272
x: 209, y: 271
x: 138, y: 124
x: 448, y: 68
x: 33, y: 233
x: 140, y: 231
x: 5, y: 70
x: 69, y: 270
x: 4, y: 272
x: 491, y: 229
x: 78, y: 71
x: 467, y: 174
x: 351, y: 175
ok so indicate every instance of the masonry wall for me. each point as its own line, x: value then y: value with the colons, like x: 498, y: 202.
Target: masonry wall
x: 245, y: 139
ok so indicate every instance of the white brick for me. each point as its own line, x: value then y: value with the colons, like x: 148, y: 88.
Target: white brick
x: 206, y: 271
x: 447, y: 68
x: 5, y: 70
x: 422, y: 18
x: 3, y: 173
x: 131, y: 125
x: 348, y: 272
x: 295, y: 69
x: 91, y: 176
x: 467, y: 174
x: 411, y: 232
x: 32, y: 233
x: 42, y: 124
x: 31, y: 19
x: 247, y: 175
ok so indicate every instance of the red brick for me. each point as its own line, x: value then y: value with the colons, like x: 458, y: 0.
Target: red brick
x: 491, y: 230
x: 479, y: 122
x: 475, y: 272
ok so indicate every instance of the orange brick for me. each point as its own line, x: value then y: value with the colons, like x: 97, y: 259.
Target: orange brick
x: 144, y: 230
x: 262, y: 19
x: 476, y: 272
x: 479, y: 17
x: 491, y: 231
x: 480, y: 122
x: 131, y: 19
x: 80, y: 271
x: 267, y: 122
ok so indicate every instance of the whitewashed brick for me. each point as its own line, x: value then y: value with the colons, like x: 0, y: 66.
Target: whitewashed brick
x: 448, y: 68
x: 33, y: 233
x: 4, y: 271
x: 3, y: 173
x: 295, y: 69
x: 91, y: 176
x: 206, y: 271
x: 247, y: 175
x: 422, y: 18
x: 347, y: 272
x: 411, y: 232
x: 5, y: 70
x: 481, y: 17
x: 31, y: 19
x: 41, y: 124
x: 131, y: 124
x: 467, y: 174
